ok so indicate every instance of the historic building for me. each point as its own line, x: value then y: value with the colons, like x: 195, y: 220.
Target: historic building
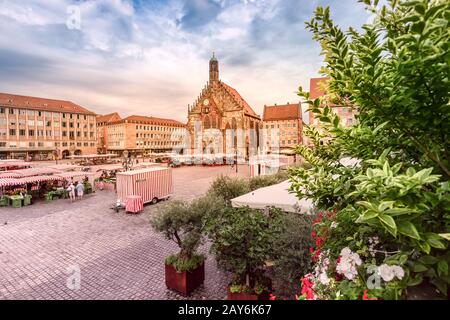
x: 283, y: 123
x: 318, y: 88
x: 220, y: 121
x: 141, y: 134
x: 102, y: 130
x: 40, y: 129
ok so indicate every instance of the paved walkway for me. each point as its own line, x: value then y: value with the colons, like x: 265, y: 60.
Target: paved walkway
x: 118, y: 256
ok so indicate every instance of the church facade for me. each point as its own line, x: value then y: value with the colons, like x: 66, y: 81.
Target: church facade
x: 221, y: 122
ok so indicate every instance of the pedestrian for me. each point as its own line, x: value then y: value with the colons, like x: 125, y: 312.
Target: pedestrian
x: 71, y: 191
x: 101, y: 184
x: 80, y: 190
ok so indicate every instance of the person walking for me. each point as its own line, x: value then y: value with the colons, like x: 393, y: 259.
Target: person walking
x: 80, y: 190
x: 71, y: 190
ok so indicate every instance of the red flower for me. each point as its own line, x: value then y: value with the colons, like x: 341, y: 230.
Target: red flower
x: 313, y: 234
x: 366, y: 297
x: 272, y: 297
x: 311, y: 250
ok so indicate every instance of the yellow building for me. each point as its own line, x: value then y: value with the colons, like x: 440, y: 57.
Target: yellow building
x: 141, y: 134
x: 283, y: 127
x: 39, y: 129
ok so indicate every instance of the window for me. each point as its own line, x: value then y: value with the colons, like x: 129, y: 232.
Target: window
x: 31, y: 133
x: 56, y: 124
x: 3, y: 121
x: 2, y: 132
x: 2, y: 110
x: 48, y: 123
x: 71, y: 125
x: 2, y: 144
x: 39, y: 113
x: 64, y: 144
x: 30, y: 113
x: 40, y: 123
x: 12, y: 111
x: 22, y: 112
x: 40, y: 144
x: 12, y: 132
x: 64, y: 124
x: 31, y: 144
x: 31, y: 122
x: 64, y: 133
x: 22, y: 132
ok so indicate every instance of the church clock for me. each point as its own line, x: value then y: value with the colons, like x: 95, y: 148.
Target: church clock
x: 206, y: 104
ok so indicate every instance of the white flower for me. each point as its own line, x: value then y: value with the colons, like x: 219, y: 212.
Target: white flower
x: 348, y: 263
x: 386, y: 272
x: 334, y: 225
x: 323, y: 278
x: 345, y: 252
x: 398, y: 271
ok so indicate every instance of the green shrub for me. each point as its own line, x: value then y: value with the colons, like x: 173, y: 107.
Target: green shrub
x: 292, y: 258
x: 242, y: 241
x: 228, y: 188
x: 182, y: 265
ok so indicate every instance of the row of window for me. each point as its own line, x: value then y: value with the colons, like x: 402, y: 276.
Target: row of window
x: 3, y: 144
x: 157, y: 143
x: 40, y: 123
x: 156, y: 128
x: 45, y: 133
x: 32, y: 113
x: 283, y: 125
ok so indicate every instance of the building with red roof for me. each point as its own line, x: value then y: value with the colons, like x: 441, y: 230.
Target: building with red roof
x: 283, y: 126
x: 220, y: 120
x: 42, y: 129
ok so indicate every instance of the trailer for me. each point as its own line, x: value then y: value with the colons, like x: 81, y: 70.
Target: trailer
x: 152, y: 184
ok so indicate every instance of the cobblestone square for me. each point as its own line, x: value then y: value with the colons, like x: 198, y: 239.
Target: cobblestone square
x: 119, y: 256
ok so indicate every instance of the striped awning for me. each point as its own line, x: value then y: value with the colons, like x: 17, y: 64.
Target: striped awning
x: 6, y: 182
x: 9, y: 174
x: 9, y: 182
x: 37, y: 171
x: 74, y: 174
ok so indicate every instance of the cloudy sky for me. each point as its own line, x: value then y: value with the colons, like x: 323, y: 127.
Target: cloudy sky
x: 151, y: 57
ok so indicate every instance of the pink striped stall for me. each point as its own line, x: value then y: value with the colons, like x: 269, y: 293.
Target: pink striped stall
x: 151, y: 184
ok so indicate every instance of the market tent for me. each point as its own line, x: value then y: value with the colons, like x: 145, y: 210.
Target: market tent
x: 64, y: 167
x: 21, y: 181
x: 7, y: 182
x: 10, y: 174
x: 274, y: 196
x: 36, y: 172
x: 76, y: 174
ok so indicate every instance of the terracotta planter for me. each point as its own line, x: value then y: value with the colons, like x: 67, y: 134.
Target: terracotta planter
x: 185, y: 282
x: 247, y: 295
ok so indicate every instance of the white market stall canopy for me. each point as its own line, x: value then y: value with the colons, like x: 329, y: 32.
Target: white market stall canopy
x: 274, y: 196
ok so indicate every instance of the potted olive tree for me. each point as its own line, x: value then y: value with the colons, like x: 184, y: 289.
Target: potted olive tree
x: 242, y: 241
x: 185, y: 270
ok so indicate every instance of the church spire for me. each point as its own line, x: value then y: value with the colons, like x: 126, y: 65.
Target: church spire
x: 213, y: 69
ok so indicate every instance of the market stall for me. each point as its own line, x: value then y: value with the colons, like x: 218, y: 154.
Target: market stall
x: 274, y: 196
x: 151, y: 184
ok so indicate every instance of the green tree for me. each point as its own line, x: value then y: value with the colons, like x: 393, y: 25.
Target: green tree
x: 395, y: 72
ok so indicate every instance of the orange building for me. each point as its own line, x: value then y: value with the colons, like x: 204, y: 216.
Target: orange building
x: 39, y: 129
x: 102, y: 130
x: 318, y: 87
x: 284, y: 123
x: 141, y: 134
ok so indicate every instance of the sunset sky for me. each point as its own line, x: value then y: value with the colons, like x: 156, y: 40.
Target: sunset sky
x: 151, y: 57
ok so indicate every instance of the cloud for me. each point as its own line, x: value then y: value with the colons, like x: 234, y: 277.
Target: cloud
x: 151, y: 57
